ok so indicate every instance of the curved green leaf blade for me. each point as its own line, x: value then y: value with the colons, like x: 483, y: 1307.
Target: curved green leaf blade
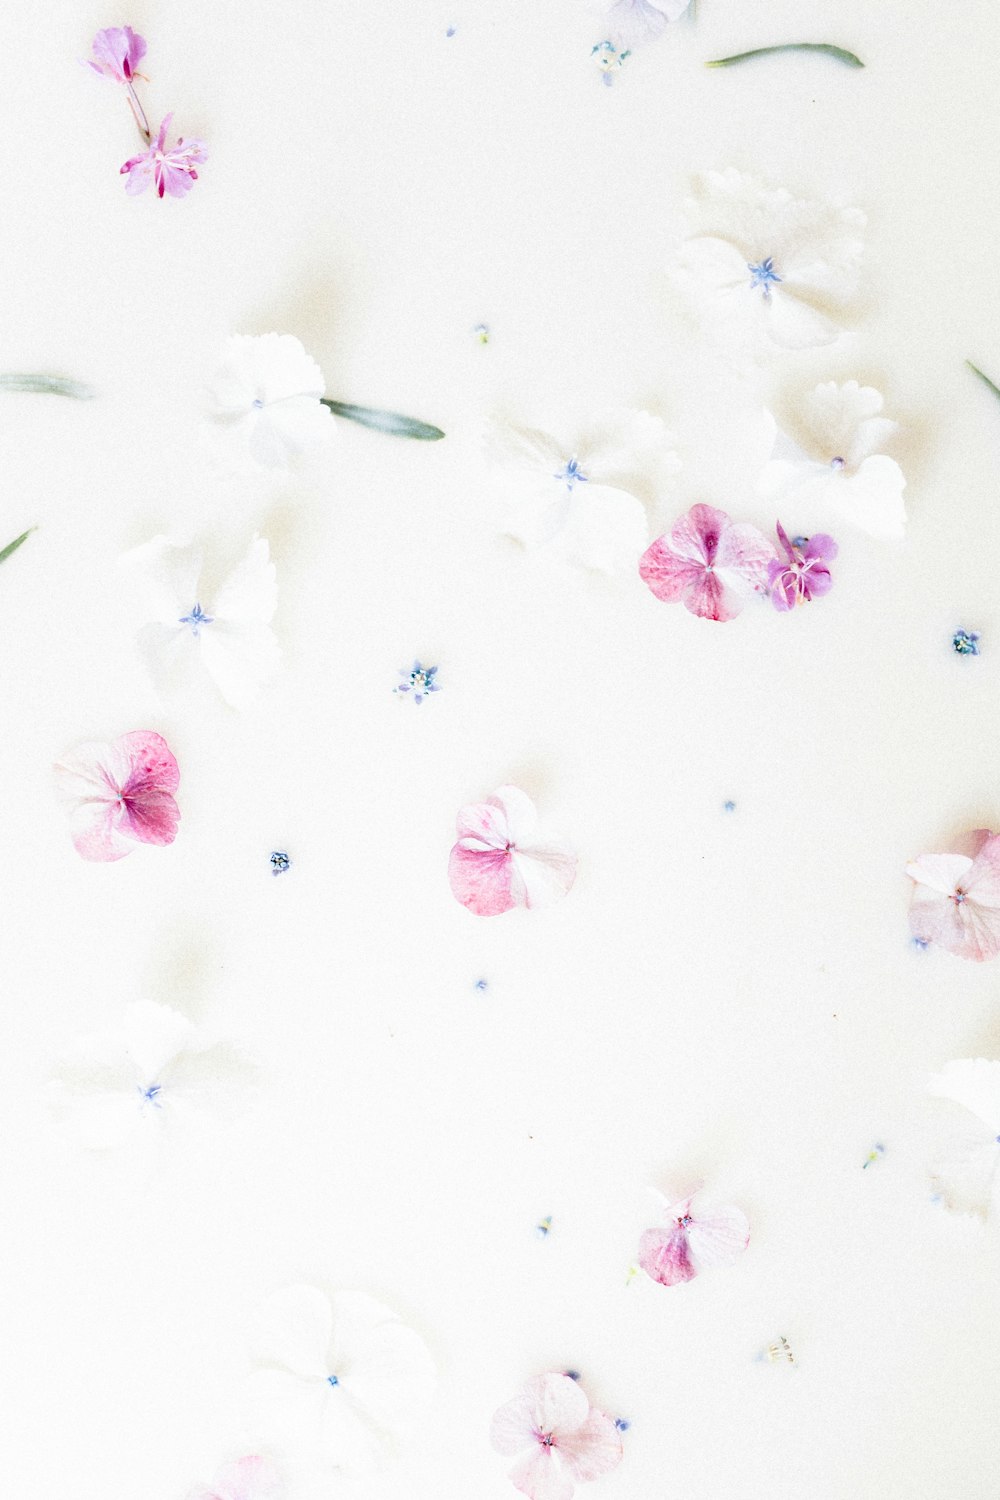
x: 984, y: 378
x: 13, y: 546
x: 385, y: 421
x: 46, y: 385
x: 826, y: 48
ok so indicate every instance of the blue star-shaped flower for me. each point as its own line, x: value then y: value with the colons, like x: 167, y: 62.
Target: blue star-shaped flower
x: 419, y: 681
x: 765, y: 276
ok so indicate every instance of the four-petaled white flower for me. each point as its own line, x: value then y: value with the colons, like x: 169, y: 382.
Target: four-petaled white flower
x: 344, y: 1381
x: 268, y: 391
x: 579, y: 496
x: 833, y: 461
x: 967, y: 1172
x: 154, y: 1071
x: 227, y: 631
x: 630, y: 23
x: 765, y: 267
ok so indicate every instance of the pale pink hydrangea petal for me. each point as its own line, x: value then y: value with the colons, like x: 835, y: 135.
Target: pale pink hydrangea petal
x: 540, y: 1475
x: 718, y: 1238
x: 964, y: 917
x: 251, y: 1478
x: 499, y: 862
x: 691, y: 1242
x: 707, y: 563
x: 120, y: 792
x: 481, y: 880
x: 593, y: 1449
x: 664, y: 1255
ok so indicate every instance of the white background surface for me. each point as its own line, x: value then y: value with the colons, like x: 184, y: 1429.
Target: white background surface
x: 731, y: 997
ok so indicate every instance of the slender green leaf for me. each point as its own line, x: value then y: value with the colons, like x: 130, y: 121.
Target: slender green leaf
x: 385, y: 421
x: 46, y: 385
x: 984, y: 378
x: 13, y: 546
x: 825, y: 47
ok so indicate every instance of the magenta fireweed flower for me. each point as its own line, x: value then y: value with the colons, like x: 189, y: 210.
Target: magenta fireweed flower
x: 804, y: 575
x: 173, y: 170
x: 120, y: 794
x: 117, y: 50
x: 563, y: 1440
x: 707, y: 563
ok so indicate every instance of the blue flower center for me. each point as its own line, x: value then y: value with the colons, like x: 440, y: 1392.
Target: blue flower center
x: 764, y: 276
x: 965, y: 642
x: 332, y: 1380
x: 258, y: 404
x: 196, y: 619
x: 150, y: 1095
x: 571, y: 474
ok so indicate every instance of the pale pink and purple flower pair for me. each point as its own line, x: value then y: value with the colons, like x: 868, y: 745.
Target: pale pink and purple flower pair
x: 120, y: 794
x: 560, y: 1438
x: 500, y: 861
x: 712, y: 566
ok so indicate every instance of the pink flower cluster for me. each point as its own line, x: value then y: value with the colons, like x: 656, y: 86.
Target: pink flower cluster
x: 172, y: 169
x: 712, y: 566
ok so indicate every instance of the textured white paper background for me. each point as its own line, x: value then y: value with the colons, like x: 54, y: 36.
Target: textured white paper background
x: 732, y: 996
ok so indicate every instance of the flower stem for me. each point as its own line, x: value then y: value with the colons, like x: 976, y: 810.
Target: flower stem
x: 825, y: 47
x: 139, y: 114
x: 984, y: 378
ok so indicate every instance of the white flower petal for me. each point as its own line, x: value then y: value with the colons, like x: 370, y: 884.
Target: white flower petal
x: 268, y: 390
x: 795, y: 324
x: 939, y: 872
x: 293, y: 1332
x: 974, y: 1083
x: 966, y: 1173
x: 169, y: 573
x: 154, y: 1035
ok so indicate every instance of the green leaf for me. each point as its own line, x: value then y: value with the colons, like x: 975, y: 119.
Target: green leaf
x: 385, y: 421
x: 13, y: 546
x: 825, y: 47
x: 46, y: 385
x: 984, y: 378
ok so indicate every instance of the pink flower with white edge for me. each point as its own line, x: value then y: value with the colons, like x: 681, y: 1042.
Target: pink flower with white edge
x: 118, y: 50
x: 173, y: 171
x: 956, y: 897
x: 805, y: 574
x: 120, y: 794
x: 251, y: 1478
x: 691, y: 1242
x: 501, y: 862
x: 708, y: 564
x: 568, y: 1441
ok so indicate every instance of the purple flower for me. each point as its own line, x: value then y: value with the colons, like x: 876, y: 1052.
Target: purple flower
x: 117, y: 50
x: 418, y: 680
x: 804, y: 575
x: 172, y: 170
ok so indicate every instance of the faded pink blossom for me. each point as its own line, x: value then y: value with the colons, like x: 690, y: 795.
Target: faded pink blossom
x: 707, y: 563
x: 172, y: 170
x: 691, y: 1242
x: 120, y: 794
x: 117, y: 49
x: 956, y: 897
x: 500, y: 862
x: 567, y: 1440
x: 251, y: 1478
x: 804, y: 575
